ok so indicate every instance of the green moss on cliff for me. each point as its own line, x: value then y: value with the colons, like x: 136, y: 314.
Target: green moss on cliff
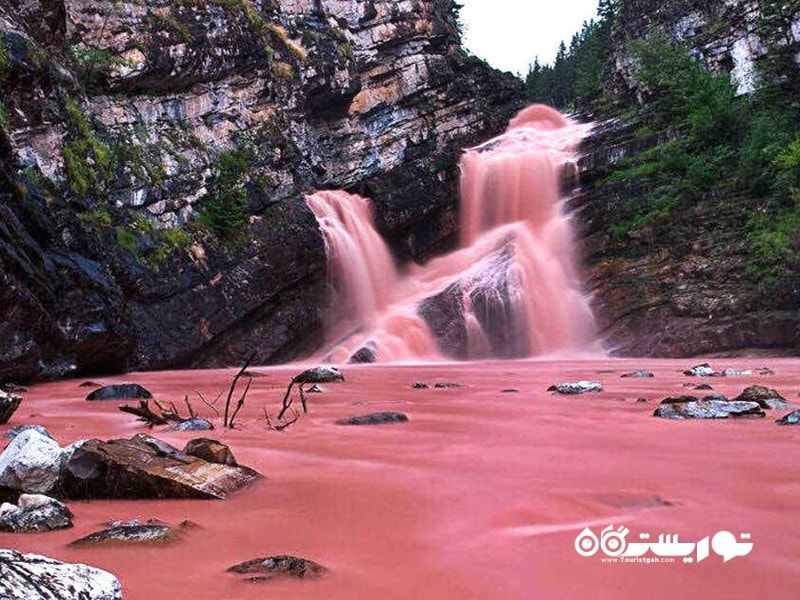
x: 221, y: 210
x: 88, y: 160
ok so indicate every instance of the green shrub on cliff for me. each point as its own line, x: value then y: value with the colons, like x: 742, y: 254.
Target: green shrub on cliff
x: 88, y: 161
x: 221, y: 210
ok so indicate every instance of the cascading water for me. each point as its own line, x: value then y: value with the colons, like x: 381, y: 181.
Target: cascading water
x: 512, y: 288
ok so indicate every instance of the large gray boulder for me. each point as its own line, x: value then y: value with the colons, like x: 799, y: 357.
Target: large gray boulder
x: 34, y: 577
x: 710, y: 407
x: 31, y: 463
x: 34, y: 513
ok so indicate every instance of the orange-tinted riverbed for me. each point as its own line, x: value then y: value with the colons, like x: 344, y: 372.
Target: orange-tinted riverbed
x: 481, y: 495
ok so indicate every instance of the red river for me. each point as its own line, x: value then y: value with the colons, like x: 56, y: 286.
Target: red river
x: 481, y: 495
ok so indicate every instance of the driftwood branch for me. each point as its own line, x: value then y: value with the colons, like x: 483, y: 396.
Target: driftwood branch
x: 281, y: 426
x: 212, y: 405
x: 240, y: 403
x: 225, y: 420
x: 145, y: 414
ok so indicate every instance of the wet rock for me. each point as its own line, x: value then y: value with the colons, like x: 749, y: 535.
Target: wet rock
x: 510, y: 391
x: 763, y: 396
x: 30, y: 463
x: 120, y: 391
x: 319, y: 375
x: 378, y: 418
x: 211, y: 451
x: 367, y: 354
x: 9, y: 403
x: 577, y: 387
x: 793, y: 418
x: 90, y: 384
x: 15, y: 431
x: 33, y: 513
x: 420, y: 385
x: 192, y: 425
x: 703, y: 370
x: 35, y: 577
x: 710, y: 407
x: 445, y: 385
x: 638, y: 374
x: 703, y: 387
x: 279, y: 567
x: 765, y: 371
x: 315, y: 389
x: 145, y: 467
x: 131, y: 532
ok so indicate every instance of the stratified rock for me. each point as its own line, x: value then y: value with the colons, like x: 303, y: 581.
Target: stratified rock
x: 131, y: 532
x: 9, y: 403
x: 120, y: 391
x: 211, y: 451
x: 192, y: 425
x: 15, y: 431
x: 577, y: 387
x: 638, y: 374
x: 763, y: 396
x: 145, y: 467
x: 34, y: 577
x: 793, y: 418
x: 30, y: 463
x: 367, y: 354
x: 711, y: 407
x: 276, y: 567
x: 420, y: 385
x: 703, y: 370
x: 34, y: 512
x: 324, y: 374
x: 379, y: 418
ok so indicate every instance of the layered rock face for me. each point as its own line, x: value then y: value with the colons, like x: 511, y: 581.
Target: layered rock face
x: 687, y: 292
x: 123, y: 123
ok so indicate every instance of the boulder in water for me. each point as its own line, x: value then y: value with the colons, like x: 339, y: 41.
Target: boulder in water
x: 448, y: 385
x: 420, y: 385
x: 793, y: 418
x: 31, y: 463
x: 211, y: 451
x: 378, y: 418
x: 710, y: 407
x: 367, y: 354
x: 120, y: 391
x: 34, y: 513
x: 577, y: 387
x: 324, y: 374
x: 145, y: 467
x: 132, y: 532
x: 267, y: 569
x: 192, y: 425
x: 638, y: 375
x: 765, y: 397
x: 15, y: 431
x: 703, y: 387
x: 35, y: 577
x: 9, y: 403
x: 702, y: 370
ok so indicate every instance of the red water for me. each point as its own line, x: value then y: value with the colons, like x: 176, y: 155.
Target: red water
x: 510, y: 202
x: 481, y: 495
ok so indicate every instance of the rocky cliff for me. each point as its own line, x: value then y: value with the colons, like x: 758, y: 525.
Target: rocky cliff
x: 155, y: 156
x: 685, y: 288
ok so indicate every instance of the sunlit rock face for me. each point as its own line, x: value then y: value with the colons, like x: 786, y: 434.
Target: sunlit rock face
x: 372, y: 96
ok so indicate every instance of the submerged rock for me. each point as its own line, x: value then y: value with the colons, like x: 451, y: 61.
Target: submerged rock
x: 793, y: 418
x: 322, y: 374
x: 703, y: 387
x: 367, y: 354
x: 277, y: 567
x: 192, y: 425
x: 133, y: 532
x: 638, y: 374
x: 577, y: 387
x: 420, y: 385
x: 9, y: 403
x: 710, y: 407
x: 444, y: 385
x: 211, y: 451
x: 378, y: 418
x: 35, y: 577
x: 31, y: 463
x: 15, y: 431
x: 33, y: 513
x: 120, y: 391
x: 765, y: 397
x: 145, y: 467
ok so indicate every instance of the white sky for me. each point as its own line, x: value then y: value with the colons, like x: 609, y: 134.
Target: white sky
x: 508, y: 34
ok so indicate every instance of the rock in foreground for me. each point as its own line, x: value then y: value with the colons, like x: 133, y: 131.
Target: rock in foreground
x: 379, y: 418
x: 34, y: 512
x: 9, y: 403
x: 30, y: 463
x: 577, y: 387
x: 15, y: 431
x: 211, y: 451
x: 274, y: 567
x: 34, y: 577
x: 144, y: 467
x: 121, y: 391
x: 710, y: 407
